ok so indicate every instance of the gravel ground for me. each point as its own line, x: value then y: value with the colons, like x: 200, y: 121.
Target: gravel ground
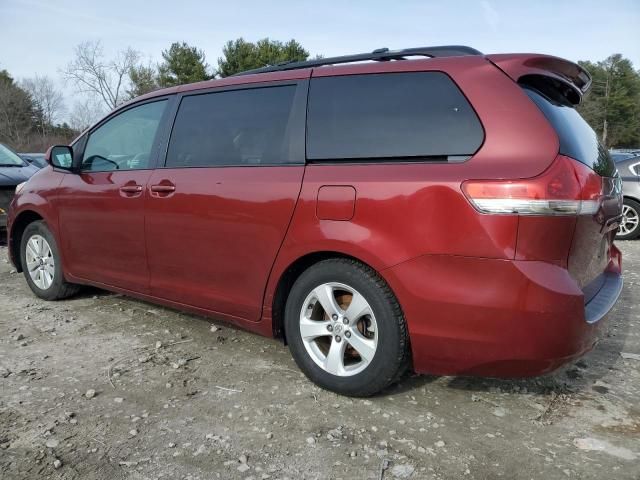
x: 106, y: 387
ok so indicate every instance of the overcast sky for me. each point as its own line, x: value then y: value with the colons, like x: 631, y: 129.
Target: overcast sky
x: 38, y: 36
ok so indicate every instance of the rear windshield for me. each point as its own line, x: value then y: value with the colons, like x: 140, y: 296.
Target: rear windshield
x: 577, y: 138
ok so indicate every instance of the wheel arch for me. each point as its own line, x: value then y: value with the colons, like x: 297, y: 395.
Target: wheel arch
x: 288, y: 277
x: 18, y: 227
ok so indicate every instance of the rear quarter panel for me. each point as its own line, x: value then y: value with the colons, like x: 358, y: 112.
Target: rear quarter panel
x: 405, y: 210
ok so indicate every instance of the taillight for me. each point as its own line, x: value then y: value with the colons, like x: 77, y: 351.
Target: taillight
x: 567, y: 187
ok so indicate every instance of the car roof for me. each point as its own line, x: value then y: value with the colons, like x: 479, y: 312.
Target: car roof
x: 515, y: 65
x: 229, y: 81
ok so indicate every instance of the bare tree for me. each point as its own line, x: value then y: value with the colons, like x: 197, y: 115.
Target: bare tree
x: 106, y: 79
x: 16, y: 112
x: 85, y: 113
x: 46, y: 98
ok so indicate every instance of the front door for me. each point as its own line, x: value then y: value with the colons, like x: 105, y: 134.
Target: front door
x: 218, y: 212
x: 101, y: 209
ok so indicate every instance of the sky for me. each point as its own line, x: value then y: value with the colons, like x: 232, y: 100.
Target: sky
x: 39, y: 36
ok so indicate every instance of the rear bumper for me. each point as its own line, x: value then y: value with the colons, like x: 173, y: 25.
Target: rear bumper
x: 475, y: 316
x: 596, y: 309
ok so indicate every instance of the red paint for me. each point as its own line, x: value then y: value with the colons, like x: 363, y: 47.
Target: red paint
x: 212, y: 241
x: 482, y: 294
x: 521, y: 64
x: 103, y: 235
x: 490, y: 317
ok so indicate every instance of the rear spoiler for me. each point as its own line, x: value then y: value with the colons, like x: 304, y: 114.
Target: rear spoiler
x: 567, y: 79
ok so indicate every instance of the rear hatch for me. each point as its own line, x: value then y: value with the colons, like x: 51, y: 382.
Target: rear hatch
x: 591, y: 251
x: 569, y: 214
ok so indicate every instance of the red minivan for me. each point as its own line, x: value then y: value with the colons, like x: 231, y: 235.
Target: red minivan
x: 430, y: 208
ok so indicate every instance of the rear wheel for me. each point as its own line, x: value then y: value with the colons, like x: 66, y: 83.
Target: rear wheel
x: 345, y: 328
x: 41, y: 263
x: 630, y: 224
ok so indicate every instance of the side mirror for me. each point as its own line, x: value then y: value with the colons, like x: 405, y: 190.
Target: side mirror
x: 60, y: 156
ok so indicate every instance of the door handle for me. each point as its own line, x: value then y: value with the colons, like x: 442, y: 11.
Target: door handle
x: 162, y: 189
x: 131, y: 190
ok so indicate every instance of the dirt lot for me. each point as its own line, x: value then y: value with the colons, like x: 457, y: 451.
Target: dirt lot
x: 174, y: 399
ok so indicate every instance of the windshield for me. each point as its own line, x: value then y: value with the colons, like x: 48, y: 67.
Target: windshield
x: 7, y: 157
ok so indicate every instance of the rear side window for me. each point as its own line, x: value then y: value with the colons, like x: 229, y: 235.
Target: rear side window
x: 233, y: 127
x: 577, y: 138
x: 418, y: 115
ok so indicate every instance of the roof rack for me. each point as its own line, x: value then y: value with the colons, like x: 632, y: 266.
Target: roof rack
x: 380, y: 55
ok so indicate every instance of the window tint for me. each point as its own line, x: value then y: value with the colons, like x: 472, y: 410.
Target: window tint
x: 577, y: 138
x: 126, y: 141
x: 234, y: 127
x: 420, y: 114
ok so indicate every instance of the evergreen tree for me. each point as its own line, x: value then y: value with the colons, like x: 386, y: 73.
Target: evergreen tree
x: 240, y: 55
x: 182, y: 64
x: 612, y: 107
x: 143, y: 80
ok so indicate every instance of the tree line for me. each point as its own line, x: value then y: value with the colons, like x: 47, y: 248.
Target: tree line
x: 31, y: 109
x: 612, y: 107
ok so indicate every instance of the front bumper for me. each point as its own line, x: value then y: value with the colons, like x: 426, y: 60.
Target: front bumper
x: 490, y: 317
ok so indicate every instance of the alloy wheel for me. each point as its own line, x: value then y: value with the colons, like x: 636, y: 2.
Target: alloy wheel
x: 338, y: 329
x: 630, y: 220
x: 40, y: 261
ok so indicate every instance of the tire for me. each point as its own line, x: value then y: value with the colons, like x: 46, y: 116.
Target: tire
x: 46, y: 280
x: 631, y: 220
x: 378, y: 330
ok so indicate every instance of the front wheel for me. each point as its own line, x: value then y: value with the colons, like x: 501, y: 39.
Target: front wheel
x: 630, y: 223
x: 41, y: 263
x: 345, y: 328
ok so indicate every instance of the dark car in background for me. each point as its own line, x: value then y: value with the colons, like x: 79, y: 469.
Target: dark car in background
x: 13, y: 171
x: 629, y: 169
x: 622, y: 155
x: 35, y: 159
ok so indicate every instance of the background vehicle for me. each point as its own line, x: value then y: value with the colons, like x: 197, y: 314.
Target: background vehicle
x: 377, y: 215
x: 35, y: 159
x: 622, y: 155
x: 13, y: 171
x: 629, y: 169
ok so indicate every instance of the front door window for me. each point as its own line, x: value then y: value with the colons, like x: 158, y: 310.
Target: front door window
x: 126, y: 141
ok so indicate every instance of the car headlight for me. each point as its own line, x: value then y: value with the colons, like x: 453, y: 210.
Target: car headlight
x: 19, y: 187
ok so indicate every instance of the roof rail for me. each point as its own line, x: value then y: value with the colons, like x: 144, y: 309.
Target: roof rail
x: 380, y: 55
